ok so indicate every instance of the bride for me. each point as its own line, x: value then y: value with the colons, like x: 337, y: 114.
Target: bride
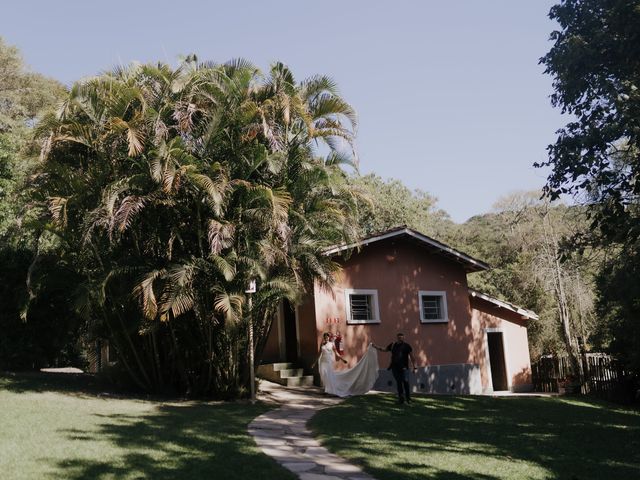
x: 357, y: 380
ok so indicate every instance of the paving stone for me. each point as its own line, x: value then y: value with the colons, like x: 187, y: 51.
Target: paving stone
x: 318, y: 452
x: 292, y: 458
x: 301, y: 418
x: 299, y: 466
x: 342, y: 468
x: 270, y: 441
x: 283, y: 435
x: 305, y: 443
x: 268, y: 426
x: 260, y: 432
x: 277, y: 450
x: 317, y: 476
x: 293, y: 437
x: 297, y: 424
x: 300, y: 429
x: 274, y: 422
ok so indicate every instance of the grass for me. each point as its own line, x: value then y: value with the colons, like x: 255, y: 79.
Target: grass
x: 54, y: 426
x: 451, y: 438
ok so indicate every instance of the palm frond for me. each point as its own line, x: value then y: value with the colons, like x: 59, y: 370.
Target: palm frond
x: 58, y: 210
x: 226, y: 268
x: 228, y: 304
x: 220, y: 236
x: 129, y: 208
x: 145, y: 293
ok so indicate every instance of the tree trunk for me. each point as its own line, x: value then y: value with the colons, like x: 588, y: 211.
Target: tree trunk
x: 553, y: 253
x: 182, y: 372
x: 121, y: 355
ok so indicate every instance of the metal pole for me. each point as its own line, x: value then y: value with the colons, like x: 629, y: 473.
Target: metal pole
x: 252, y: 373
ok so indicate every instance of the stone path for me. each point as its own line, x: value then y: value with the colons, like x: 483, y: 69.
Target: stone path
x: 283, y: 435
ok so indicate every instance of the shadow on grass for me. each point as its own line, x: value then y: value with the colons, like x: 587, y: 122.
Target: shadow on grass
x: 178, y: 441
x: 74, y: 383
x: 568, y: 439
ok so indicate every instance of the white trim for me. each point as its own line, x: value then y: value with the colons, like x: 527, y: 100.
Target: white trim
x: 507, y: 367
x: 108, y: 354
x: 417, y: 235
x: 360, y: 291
x: 514, y: 308
x: 505, y: 353
x: 487, y: 361
x: 434, y: 293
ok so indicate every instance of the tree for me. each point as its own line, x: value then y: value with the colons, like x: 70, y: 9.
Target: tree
x: 595, y: 65
x: 538, y: 229
x: 24, y: 97
x: 523, y: 241
x: 618, y: 308
x: 44, y: 339
x: 171, y: 189
x: 385, y: 204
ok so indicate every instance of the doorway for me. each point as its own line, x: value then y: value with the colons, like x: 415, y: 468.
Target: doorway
x: 496, y: 359
x: 290, y: 332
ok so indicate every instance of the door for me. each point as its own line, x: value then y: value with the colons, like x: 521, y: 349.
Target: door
x: 496, y: 358
x: 290, y: 333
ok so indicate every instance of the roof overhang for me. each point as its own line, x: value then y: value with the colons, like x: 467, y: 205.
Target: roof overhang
x: 523, y: 312
x: 470, y: 264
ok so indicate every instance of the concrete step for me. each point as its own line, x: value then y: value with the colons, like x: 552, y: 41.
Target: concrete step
x: 302, y: 381
x: 291, y: 372
x: 284, y: 374
x: 281, y: 366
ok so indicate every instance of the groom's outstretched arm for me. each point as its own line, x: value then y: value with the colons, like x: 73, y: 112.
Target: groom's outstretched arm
x: 380, y: 349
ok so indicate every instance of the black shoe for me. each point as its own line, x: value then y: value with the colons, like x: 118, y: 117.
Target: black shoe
x: 400, y: 401
x: 408, y: 401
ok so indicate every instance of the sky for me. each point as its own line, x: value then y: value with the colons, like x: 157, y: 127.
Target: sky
x: 450, y: 96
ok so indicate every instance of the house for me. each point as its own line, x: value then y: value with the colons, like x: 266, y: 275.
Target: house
x: 464, y: 341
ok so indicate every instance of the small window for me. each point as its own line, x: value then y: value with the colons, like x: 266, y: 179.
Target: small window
x: 362, y: 306
x: 433, y: 307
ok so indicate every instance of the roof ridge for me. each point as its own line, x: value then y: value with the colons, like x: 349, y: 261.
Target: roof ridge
x: 477, y: 265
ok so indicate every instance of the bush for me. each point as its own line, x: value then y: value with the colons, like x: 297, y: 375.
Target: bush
x: 42, y: 332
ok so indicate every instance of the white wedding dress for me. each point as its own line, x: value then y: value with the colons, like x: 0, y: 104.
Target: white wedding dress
x: 357, y: 380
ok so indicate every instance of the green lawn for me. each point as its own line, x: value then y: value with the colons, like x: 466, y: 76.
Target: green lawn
x: 57, y: 427
x: 454, y: 438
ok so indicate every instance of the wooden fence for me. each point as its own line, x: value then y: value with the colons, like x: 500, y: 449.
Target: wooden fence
x: 547, y: 372
x: 599, y: 375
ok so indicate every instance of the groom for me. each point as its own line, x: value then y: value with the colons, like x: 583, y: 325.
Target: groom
x: 400, y: 355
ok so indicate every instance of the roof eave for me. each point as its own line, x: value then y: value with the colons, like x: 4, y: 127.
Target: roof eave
x: 523, y: 312
x: 471, y: 264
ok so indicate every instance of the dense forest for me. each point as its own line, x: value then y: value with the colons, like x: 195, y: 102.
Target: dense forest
x: 98, y: 182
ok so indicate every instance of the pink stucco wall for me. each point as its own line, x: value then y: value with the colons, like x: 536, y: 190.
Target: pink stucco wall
x: 516, y: 344
x: 398, y: 270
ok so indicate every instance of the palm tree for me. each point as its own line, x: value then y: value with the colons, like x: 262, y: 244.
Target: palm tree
x: 170, y: 188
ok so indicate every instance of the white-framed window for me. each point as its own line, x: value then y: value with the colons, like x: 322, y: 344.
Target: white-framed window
x: 361, y: 306
x: 433, y: 306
